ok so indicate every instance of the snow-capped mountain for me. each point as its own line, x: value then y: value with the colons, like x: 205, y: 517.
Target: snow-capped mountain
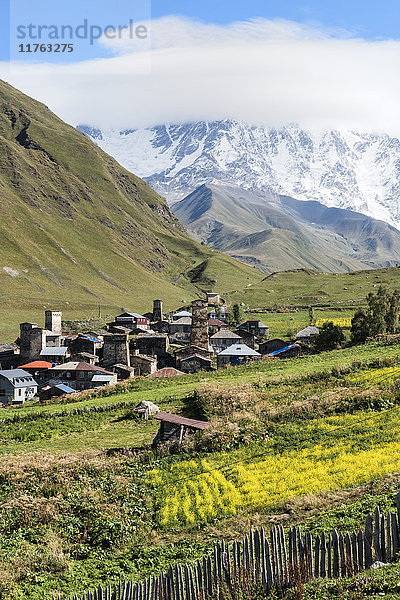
x: 359, y: 171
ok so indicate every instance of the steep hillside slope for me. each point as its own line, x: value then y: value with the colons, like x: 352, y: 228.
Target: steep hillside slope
x: 77, y: 227
x: 346, y: 169
x: 278, y: 232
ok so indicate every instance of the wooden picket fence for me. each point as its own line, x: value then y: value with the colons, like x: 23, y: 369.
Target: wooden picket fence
x: 276, y: 560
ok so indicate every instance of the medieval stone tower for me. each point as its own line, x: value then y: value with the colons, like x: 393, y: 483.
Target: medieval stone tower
x: 158, y: 311
x: 199, y: 332
x: 32, y: 341
x: 116, y: 350
x: 52, y: 321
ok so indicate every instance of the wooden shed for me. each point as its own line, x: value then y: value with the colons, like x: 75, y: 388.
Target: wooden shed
x: 175, y: 427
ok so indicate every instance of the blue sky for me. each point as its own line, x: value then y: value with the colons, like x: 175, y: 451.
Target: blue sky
x: 369, y: 19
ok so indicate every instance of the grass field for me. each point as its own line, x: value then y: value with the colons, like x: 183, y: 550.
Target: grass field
x: 304, y: 287
x: 84, y: 501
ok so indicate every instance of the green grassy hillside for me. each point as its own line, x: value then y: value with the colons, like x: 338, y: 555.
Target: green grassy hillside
x: 77, y: 229
x: 82, y: 497
x: 305, y: 287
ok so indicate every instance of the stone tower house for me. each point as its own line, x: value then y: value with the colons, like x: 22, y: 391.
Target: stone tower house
x: 116, y: 350
x: 52, y: 321
x: 199, y: 332
x: 158, y: 310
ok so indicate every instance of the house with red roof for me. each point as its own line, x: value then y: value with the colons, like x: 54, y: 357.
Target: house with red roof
x: 39, y: 369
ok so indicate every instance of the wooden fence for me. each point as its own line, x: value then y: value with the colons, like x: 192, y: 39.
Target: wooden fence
x: 274, y: 560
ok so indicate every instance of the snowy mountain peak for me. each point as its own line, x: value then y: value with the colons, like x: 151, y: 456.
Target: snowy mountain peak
x: 360, y: 171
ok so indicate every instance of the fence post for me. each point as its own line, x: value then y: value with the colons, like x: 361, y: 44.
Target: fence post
x: 389, y: 538
x: 368, y: 541
x: 317, y: 556
x: 270, y: 577
x: 335, y: 544
x: 377, y: 539
x: 383, y: 539
x: 360, y: 549
x: 285, y: 563
x: 354, y: 552
x: 323, y: 555
x: 342, y: 554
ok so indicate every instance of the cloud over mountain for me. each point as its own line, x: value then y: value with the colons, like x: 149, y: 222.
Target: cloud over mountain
x: 262, y: 72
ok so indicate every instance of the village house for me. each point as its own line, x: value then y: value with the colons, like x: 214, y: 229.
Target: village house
x: 272, y: 345
x: 237, y: 354
x: 255, y: 327
x: 55, y: 391
x: 220, y: 313
x: 39, y: 369
x: 307, y: 334
x: 91, y: 359
x: 182, y: 353
x: 34, y: 339
x: 176, y: 428
x: 195, y: 363
x: 131, y: 320
x: 215, y: 325
x: 289, y: 351
x: 180, y: 329
x: 247, y: 338
x: 152, y: 343
x: 82, y: 376
x: 123, y: 371
x: 9, y: 356
x: 17, y: 386
x: 143, y: 365
x: 181, y: 314
x: 224, y: 339
x: 84, y: 343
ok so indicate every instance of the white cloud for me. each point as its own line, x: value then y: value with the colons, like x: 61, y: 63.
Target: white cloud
x: 262, y: 72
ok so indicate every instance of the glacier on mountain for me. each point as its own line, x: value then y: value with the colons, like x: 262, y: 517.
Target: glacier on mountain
x: 345, y: 169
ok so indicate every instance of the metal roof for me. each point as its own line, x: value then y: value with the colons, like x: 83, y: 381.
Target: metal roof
x: 79, y: 366
x: 182, y: 321
x: 102, y: 377
x: 239, y: 350
x: 37, y: 364
x: 166, y: 372
x: 307, y: 331
x: 65, y: 388
x: 18, y: 377
x: 131, y: 314
x: 54, y: 351
x: 178, y: 420
x: 276, y: 352
x: 216, y: 323
x: 225, y: 335
x: 183, y: 313
x: 196, y: 356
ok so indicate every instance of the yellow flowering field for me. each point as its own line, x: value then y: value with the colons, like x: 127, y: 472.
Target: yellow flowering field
x: 344, y: 323
x: 193, y: 492
x: 370, y: 378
